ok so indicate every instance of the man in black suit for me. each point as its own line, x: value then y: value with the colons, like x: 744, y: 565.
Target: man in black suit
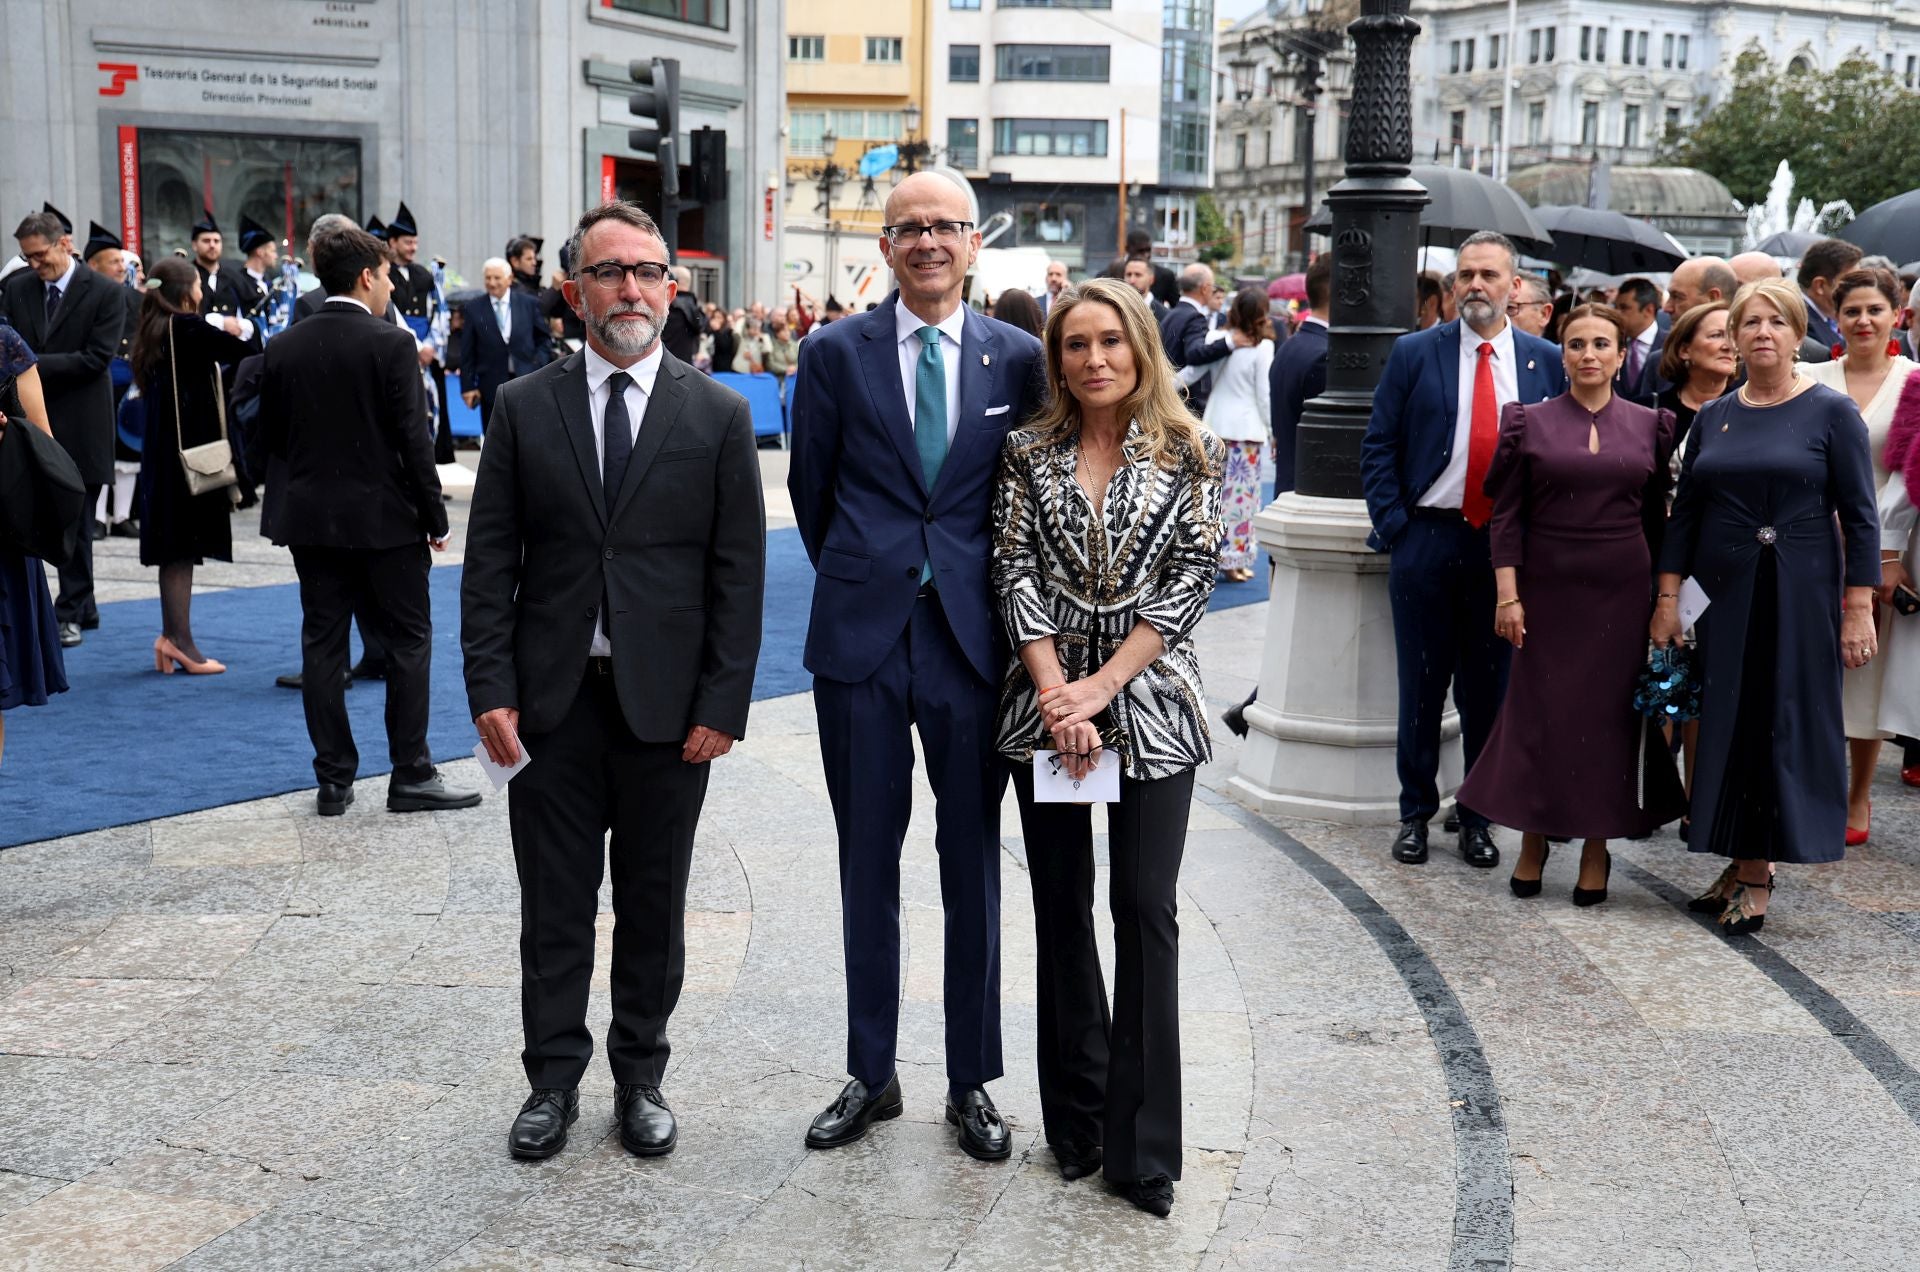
x: 502, y: 336
x: 1820, y: 267
x: 356, y: 496
x: 1183, y: 333
x: 1299, y: 371
x: 1138, y: 274
x: 1638, y: 302
x: 71, y: 318
x: 610, y: 617
x: 222, y: 288
x: 1140, y: 248
x: 681, y: 332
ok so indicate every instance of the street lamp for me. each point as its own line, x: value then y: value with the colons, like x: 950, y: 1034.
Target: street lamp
x: 1305, y: 55
x: 913, y: 151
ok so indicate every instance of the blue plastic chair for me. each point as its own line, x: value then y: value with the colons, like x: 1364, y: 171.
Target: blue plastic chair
x: 763, y: 398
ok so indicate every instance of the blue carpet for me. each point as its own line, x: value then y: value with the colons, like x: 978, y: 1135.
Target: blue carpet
x: 126, y: 744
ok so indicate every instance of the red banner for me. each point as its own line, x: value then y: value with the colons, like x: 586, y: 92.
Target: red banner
x: 130, y: 189
x: 766, y: 227
x: 606, y: 179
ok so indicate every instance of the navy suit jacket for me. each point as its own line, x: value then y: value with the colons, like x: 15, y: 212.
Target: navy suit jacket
x: 1298, y: 375
x: 1183, y: 332
x: 1409, y: 439
x: 1649, y: 385
x: 487, y: 361
x: 866, y: 516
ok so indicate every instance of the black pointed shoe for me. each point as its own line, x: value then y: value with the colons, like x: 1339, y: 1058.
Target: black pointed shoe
x: 1477, y: 847
x: 541, y: 1129
x: 1530, y: 887
x: 333, y: 800
x: 432, y: 795
x: 1594, y: 896
x: 647, y: 1128
x: 983, y: 1133
x: 1410, y: 845
x: 854, y: 1110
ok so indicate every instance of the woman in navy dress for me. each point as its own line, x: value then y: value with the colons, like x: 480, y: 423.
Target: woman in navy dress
x: 30, y: 661
x: 1789, y: 604
x: 1579, y: 492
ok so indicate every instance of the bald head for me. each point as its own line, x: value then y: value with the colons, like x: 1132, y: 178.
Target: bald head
x: 1751, y: 267
x: 929, y: 193
x: 930, y: 244
x: 1699, y: 281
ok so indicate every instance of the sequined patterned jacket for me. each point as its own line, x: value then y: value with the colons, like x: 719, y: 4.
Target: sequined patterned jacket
x: 1057, y: 572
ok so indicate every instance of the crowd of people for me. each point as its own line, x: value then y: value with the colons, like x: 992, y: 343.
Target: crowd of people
x: 1015, y: 532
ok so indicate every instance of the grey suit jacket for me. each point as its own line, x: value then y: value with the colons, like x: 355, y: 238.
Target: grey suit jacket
x: 681, y: 560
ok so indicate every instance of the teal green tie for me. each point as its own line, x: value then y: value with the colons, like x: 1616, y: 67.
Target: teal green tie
x: 930, y: 414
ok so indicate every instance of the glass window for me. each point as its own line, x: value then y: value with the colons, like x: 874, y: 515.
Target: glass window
x: 1666, y: 51
x: 1470, y: 44
x: 1533, y: 45
x: 1630, y: 127
x: 707, y: 13
x: 1496, y: 124
x: 1240, y: 150
x: 1493, y: 53
x: 865, y: 125
x: 806, y: 48
x: 1187, y: 15
x: 1682, y: 60
x: 271, y: 179
x: 1589, y: 123
x: 1074, y: 138
x: 1056, y: 4
x: 963, y: 4
x: 1536, y: 122
x: 1673, y: 122
x: 963, y: 63
x: 1913, y: 65
x: 1453, y: 57
x: 1049, y: 223
x: 1457, y: 129
x: 1640, y: 49
x: 1551, y: 33
x: 1586, y: 44
x: 1626, y: 48
x: 963, y: 143
x: 1086, y: 62
x: 883, y: 48
x: 1184, y: 67
x: 1183, y: 144
x: 805, y: 129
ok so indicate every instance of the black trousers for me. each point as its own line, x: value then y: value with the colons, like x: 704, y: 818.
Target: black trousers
x: 588, y: 776
x: 443, y: 435
x: 75, y: 603
x: 388, y: 590
x: 1110, y: 1080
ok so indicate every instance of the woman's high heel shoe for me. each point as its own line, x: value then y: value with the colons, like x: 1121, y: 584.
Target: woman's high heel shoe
x: 1738, y: 919
x: 1530, y: 887
x: 1594, y: 896
x: 1714, y: 899
x: 166, y: 654
x: 1857, y: 838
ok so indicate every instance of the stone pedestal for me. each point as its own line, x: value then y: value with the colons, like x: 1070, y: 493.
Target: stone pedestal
x: 1321, y: 737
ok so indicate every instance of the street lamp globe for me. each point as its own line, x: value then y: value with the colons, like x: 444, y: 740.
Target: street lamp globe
x: 912, y: 114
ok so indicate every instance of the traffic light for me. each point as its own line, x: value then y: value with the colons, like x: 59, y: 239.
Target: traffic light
x: 658, y: 99
x: 709, y: 146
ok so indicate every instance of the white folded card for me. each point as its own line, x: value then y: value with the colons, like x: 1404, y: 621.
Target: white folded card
x: 500, y: 774
x: 1052, y: 785
x: 1693, y: 602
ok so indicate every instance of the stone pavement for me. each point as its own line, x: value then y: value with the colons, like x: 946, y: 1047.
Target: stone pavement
x: 252, y: 1039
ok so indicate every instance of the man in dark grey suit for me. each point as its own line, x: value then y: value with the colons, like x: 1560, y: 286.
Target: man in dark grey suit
x: 611, y: 617
x: 71, y: 318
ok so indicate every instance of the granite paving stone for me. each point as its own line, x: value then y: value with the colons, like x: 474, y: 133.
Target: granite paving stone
x: 110, y: 1229
x: 255, y: 841
x: 167, y: 946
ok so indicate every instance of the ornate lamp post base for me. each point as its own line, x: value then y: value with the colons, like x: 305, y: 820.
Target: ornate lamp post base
x: 1320, y: 741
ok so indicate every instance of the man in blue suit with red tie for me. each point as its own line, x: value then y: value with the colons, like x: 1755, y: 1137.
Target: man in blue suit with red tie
x: 1423, y: 466
x: 898, y: 419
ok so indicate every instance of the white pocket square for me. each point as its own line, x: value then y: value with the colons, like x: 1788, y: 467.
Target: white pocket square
x: 999, y: 410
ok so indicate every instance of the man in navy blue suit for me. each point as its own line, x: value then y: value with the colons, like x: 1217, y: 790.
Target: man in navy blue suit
x: 1423, y: 465
x: 1299, y: 371
x: 502, y: 337
x: 898, y: 418
x: 1183, y: 332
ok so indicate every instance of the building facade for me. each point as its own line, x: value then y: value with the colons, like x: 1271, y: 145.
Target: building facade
x: 490, y: 118
x: 1076, y: 119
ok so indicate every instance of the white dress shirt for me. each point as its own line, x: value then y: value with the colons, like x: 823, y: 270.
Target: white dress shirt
x: 60, y: 285
x: 503, y: 316
x: 1450, y: 489
x: 1645, y: 340
x: 599, y: 371
x: 361, y: 305
x: 906, y: 329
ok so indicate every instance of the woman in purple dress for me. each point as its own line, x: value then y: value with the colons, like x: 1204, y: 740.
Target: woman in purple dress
x: 31, y: 666
x: 1579, y: 489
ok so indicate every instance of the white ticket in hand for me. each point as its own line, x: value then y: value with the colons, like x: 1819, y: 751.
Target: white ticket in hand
x: 1053, y: 785
x: 1693, y: 602
x: 500, y: 774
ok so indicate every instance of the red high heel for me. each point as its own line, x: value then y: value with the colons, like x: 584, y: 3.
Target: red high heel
x: 1911, y: 775
x: 166, y: 654
x: 1856, y: 838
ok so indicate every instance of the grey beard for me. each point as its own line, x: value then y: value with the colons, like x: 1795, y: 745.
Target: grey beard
x: 626, y: 337
x: 1477, y: 311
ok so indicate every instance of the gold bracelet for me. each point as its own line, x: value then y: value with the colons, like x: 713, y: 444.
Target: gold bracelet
x: 1666, y: 596
x: 1504, y: 604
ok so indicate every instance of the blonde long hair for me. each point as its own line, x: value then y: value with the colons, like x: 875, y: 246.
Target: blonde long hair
x: 1173, y: 438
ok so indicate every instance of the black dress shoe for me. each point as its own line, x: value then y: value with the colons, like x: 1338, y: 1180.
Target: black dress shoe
x: 70, y: 635
x: 91, y: 623
x: 647, y: 1128
x: 297, y: 682
x: 98, y: 531
x: 983, y: 1135
x: 432, y: 795
x: 1477, y: 847
x: 128, y: 529
x: 1410, y: 845
x: 541, y: 1129
x: 334, y: 799
x: 1153, y: 1195
x: 1452, y: 824
x: 852, y: 1112
x: 1235, y: 717
x: 366, y: 669
x: 1076, y: 1160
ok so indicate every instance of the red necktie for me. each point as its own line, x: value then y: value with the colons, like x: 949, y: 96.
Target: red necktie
x: 1485, y: 435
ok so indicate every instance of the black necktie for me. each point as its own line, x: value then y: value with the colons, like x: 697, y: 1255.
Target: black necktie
x: 53, y: 303
x: 616, y: 432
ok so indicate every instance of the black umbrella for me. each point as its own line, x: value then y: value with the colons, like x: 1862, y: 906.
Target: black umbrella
x: 1608, y: 241
x: 1890, y: 228
x: 1463, y: 203
x: 1792, y: 243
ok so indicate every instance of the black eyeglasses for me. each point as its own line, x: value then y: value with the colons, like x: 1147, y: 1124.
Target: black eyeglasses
x: 946, y: 233
x: 610, y: 274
